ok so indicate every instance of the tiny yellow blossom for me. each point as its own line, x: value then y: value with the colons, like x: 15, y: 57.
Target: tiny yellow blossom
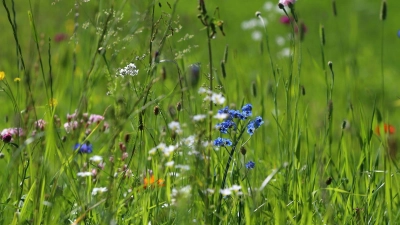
x: 53, y: 102
x: 2, y: 75
x: 17, y: 79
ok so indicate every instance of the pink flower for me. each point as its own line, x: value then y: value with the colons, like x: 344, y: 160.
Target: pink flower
x: 60, y: 37
x: 70, y: 126
x: 7, y: 134
x: 95, y: 118
x: 285, y: 20
x: 40, y: 124
x: 287, y: 2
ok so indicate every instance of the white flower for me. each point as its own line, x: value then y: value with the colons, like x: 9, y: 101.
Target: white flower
x: 183, y: 167
x: 161, y: 146
x: 221, y: 116
x: 236, y: 188
x: 189, y: 141
x: 96, y: 158
x: 199, y: 117
x: 175, y: 126
x: 218, y: 99
x: 203, y: 90
x: 170, y: 164
x: 84, y: 174
x: 268, y: 6
x: 284, y: 52
x: 256, y: 35
x: 100, y: 190
x: 167, y: 151
x: 280, y: 40
x: 210, y: 190
x: 226, y: 192
x: 153, y: 151
x: 130, y: 70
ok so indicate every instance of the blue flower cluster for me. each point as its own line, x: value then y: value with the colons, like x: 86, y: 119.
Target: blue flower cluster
x: 84, y: 148
x: 253, y: 125
x: 222, y: 142
x: 250, y: 165
x: 232, y: 114
x: 229, y: 122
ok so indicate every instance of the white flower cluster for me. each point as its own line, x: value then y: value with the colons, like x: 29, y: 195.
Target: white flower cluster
x: 175, y: 127
x: 216, y: 98
x: 98, y: 190
x: 167, y: 150
x: 234, y: 189
x: 130, y: 70
x: 183, y: 193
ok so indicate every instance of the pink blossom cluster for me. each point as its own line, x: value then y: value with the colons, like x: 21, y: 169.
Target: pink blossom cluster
x: 73, y: 122
x: 287, y: 2
x: 8, y: 133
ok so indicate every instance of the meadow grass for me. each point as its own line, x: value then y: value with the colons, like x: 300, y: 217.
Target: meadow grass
x: 182, y: 112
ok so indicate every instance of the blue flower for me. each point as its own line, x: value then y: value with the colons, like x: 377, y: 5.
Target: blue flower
x: 84, y: 148
x: 224, y: 110
x: 258, y: 121
x: 246, y: 110
x: 222, y: 142
x: 251, y: 128
x: 253, y: 125
x: 250, y: 165
x: 398, y: 33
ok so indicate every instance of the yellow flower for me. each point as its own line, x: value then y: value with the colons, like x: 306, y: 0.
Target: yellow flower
x: 2, y: 75
x: 53, y: 102
x: 17, y: 79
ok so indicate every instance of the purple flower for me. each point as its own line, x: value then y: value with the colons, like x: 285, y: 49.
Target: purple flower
x: 84, y: 148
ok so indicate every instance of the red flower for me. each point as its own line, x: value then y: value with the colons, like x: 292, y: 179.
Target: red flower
x: 386, y: 127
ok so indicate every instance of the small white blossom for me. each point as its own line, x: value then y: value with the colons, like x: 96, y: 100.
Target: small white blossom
x: 256, y: 35
x: 84, y: 174
x: 210, y: 190
x: 170, y: 164
x: 236, y: 188
x: 152, y: 151
x: 175, y: 126
x: 96, y: 158
x: 199, y: 117
x: 98, y: 190
x: 182, y: 167
x: 167, y: 151
x: 221, y: 116
x: 203, y: 90
x: 226, y: 192
x: 130, y: 70
x: 218, y: 99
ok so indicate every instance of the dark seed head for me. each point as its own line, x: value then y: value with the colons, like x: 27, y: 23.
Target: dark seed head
x: 156, y: 110
x: 329, y: 181
x: 243, y: 150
